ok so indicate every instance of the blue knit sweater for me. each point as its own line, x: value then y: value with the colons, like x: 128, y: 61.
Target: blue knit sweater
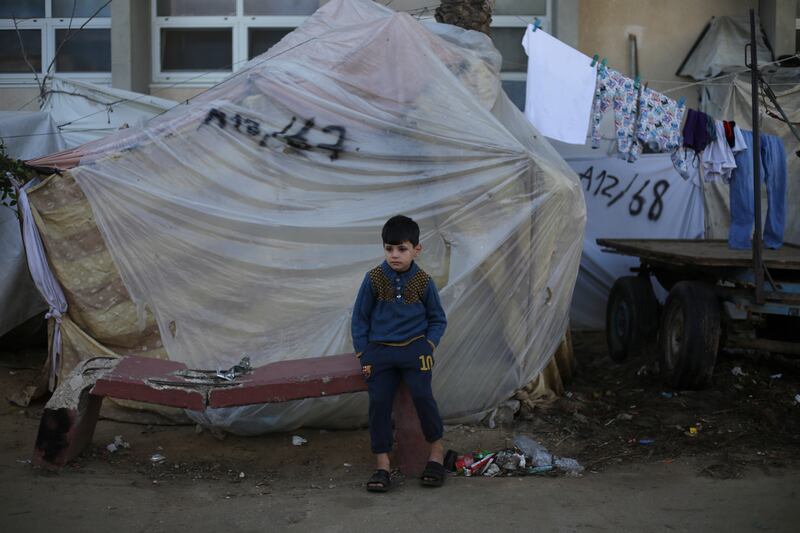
x: 397, y: 307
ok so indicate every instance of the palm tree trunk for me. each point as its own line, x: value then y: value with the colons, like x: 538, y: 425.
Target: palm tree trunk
x: 467, y: 14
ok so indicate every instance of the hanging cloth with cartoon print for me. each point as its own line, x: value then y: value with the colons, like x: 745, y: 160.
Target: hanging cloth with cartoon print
x: 641, y: 115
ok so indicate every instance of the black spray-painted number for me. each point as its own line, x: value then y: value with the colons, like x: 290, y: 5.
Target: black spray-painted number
x: 604, y: 184
x: 297, y: 140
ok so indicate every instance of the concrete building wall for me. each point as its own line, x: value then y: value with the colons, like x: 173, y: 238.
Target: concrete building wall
x: 665, y: 32
x: 14, y: 98
x: 178, y: 93
x: 130, y: 45
x: 775, y: 15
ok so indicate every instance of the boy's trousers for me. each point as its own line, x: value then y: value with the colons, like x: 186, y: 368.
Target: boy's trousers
x: 383, y: 367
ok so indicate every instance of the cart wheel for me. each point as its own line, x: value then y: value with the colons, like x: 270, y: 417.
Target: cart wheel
x: 631, y: 317
x: 689, y: 337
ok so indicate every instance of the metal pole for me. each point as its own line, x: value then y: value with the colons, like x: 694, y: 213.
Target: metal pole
x: 758, y: 266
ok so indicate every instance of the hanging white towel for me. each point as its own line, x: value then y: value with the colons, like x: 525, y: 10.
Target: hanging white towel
x: 560, y: 89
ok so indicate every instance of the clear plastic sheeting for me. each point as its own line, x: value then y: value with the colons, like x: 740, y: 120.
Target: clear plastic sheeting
x: 245, y: 221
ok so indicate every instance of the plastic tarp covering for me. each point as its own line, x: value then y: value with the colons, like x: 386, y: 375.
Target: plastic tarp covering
x: 733, y: 102
x: 244, y: 222
x: 721, y: 49
x: 20, y: 298
x: 86, y: 111
x: 29, y: 134
x: 25, y: 134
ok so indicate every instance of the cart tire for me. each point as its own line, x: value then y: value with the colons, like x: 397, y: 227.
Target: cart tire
x: 690, y: 334
x: 631, y: 317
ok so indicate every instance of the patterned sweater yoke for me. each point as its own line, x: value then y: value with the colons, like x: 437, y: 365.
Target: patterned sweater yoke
x: 413, y: 292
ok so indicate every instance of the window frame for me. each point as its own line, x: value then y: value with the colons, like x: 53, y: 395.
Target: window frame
x: 48, y: 26
x: 239, y: 24
x: 522, y: 21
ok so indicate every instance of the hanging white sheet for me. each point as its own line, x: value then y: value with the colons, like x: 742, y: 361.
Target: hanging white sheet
x: 44, y: 280
x: 560, y: 87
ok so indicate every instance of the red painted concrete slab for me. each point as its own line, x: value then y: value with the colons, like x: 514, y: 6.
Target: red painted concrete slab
x: 293, y: 380
x: 411, y: 448
x: 135, y: 378
x: 64, y: 433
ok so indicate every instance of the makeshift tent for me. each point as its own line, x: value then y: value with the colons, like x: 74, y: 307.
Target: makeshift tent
x: 720, y: 49
x: 72, y: 113
x: 244, y: 221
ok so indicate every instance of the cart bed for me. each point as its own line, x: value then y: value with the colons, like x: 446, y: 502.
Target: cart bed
x: 711, y: 253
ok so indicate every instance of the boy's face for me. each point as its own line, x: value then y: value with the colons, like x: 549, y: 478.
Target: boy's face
x: 399, y: 256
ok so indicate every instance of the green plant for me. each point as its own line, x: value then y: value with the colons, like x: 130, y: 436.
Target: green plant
x: 10, y: 167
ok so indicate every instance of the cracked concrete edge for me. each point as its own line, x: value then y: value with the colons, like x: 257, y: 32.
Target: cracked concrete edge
x: 83, y: 377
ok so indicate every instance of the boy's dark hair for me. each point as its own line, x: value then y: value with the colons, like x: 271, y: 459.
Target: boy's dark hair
x: 399, y: 229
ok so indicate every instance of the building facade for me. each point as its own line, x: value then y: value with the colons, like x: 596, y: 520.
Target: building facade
x: 176, y: 48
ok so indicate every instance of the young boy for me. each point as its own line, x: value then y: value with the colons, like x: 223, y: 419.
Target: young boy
x: 397, y: 323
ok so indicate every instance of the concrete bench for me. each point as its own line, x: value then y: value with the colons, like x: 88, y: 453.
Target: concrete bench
x: 70, y: 417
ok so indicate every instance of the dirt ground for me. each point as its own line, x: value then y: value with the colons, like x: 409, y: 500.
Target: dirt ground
x: 645, y: 469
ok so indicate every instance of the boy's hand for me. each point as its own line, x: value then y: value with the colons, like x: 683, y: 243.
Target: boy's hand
x: 358, y: 354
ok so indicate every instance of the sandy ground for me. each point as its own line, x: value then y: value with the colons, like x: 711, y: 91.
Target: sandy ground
x: 739, y: 473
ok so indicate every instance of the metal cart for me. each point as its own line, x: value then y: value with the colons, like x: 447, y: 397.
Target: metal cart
x: 712, y: 302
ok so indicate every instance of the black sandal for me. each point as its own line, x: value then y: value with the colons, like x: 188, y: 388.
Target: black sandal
x: 433, y: 475
x: 380, y: 481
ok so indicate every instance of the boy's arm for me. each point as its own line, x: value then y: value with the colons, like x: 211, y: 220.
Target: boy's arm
x: 437, y: 321
x: 362, y: 309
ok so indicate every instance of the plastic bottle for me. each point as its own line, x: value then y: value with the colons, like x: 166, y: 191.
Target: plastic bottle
x: 538, y: 453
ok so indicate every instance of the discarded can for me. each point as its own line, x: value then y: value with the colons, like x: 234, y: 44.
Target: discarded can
x: 646, y: 442
x: 463, y: 462
x: 693, y: 431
